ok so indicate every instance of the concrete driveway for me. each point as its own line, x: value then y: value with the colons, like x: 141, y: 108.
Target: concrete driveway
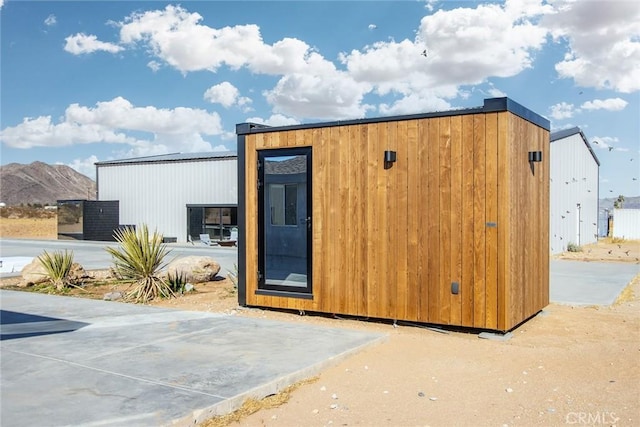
x: 589, y: 283
x: 72, y: 361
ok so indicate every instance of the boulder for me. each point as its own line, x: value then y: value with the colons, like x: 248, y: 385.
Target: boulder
x: 102, y: 274
x: 195, y: 269
x: 77, y: 273
x: 34, y: 273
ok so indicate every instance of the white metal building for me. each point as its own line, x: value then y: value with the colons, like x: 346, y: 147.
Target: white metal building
x: 626, y: 224
x: 574, y: 190
x: 179, y: 195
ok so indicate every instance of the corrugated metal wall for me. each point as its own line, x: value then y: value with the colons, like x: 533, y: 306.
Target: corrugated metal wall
x: 574, y: 180
x: 626, y: 224
x: 156, y: 194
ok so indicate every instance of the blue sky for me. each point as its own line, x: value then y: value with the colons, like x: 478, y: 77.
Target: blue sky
x: 85, y: 81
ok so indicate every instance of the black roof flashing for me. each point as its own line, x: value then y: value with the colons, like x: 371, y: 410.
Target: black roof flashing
x: 490, y: 105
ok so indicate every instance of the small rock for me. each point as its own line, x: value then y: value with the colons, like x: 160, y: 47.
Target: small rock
x: 386, y: 392
x: 366, y: 367
x: 323, y: 388
x: 509, y: 390
x: 334, y: 406
x: 315, y: 411
x: 334, y: 396
x: 189, y: 287
x: 551, y: 410
x: 113, y: 296
x: 274, y: 417
x: 433, y: 398
x: 421, y: 394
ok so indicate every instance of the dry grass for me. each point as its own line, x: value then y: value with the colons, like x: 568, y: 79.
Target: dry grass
x: 29, y: 228
x: 627, y: 293
x: 251, y: 406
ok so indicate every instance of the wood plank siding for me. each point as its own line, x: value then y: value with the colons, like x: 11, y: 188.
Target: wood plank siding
x: 461, y: 208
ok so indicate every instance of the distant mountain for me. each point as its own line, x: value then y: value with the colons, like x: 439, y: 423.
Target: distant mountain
x: 42, y: 183
x: 629, y: 203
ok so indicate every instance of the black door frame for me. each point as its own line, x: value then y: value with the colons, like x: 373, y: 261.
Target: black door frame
x: 272, y: 289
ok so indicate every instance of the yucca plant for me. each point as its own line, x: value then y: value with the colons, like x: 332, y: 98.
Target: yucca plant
x: 177, y: 282
x: 139, y: 258
x: 58, y: 266
x: 233, y: 276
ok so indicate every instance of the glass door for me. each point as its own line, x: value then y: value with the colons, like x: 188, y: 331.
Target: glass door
x: 284, y: 215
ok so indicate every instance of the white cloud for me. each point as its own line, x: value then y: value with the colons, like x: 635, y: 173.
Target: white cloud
x: 43, y: 132
x: 169, y: 130
x: 1, y: 3
x: 414, y: 103
x: 565, y: 110
x: 168, y: 31
x: 372, y: 26
x: 85, y: 166
x: 154, y: 65
x: 606, y: 143
x: 429, y: 4
x: 562, y: 111
x: 119, y: 113
x: 604, y: 42
x: 80, y: 43
x: 328, y: 94
x: 496, y: 93
x: 310, y: 85
x: 464, y: 46
x: 274, y: 120
x: 50, y: 20
x: 611, y: 104
x: 226, y: 94
x: 220, y: 148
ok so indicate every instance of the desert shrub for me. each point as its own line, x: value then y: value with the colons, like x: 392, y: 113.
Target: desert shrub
x: 233, y: 276
x: 58, y: 266
x: 572, y: 247
x: 177, y: 282
x: 139, y: 258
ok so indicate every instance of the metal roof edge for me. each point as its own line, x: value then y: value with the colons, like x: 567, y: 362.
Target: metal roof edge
x: 565, y: 133
x: 490, y: 105
x: 172, y: 157
x: 508, y: 104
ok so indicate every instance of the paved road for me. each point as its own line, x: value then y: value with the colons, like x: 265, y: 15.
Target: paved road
x: 15, y: 253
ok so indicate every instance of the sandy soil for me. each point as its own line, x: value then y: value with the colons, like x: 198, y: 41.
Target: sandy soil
x: 566, y: 366
x: 29, y: 228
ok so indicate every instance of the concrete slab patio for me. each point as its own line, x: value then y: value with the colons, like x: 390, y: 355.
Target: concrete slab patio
x: 71, y: 361
x: 589, y: 283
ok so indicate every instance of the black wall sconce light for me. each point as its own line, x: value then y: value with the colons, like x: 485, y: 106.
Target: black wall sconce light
x: 389, y: 158
x: 535, y: 156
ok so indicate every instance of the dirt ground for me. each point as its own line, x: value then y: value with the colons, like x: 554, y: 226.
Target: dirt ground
x: 566, y: 366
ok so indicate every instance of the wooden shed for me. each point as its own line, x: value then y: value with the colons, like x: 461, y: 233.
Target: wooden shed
x: 437, y: 218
